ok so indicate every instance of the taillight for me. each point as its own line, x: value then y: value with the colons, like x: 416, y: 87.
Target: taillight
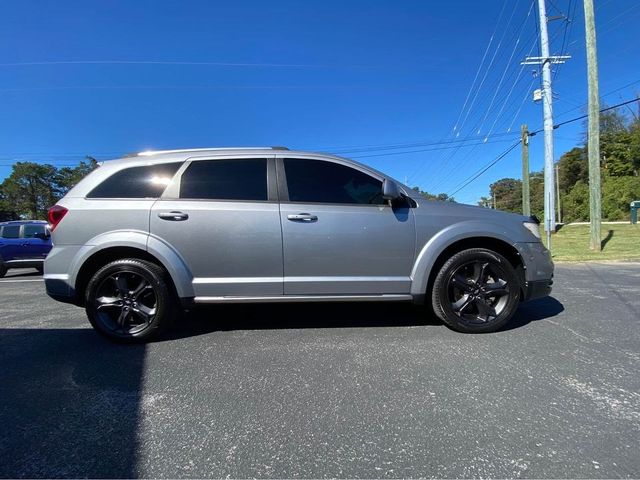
x: 56, y: 213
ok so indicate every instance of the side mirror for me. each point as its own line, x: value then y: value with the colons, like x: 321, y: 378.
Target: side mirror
x: 390, y: 191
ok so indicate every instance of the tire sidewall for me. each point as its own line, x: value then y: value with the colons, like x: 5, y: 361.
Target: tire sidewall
x: 440, y: 297
x: 149, y: 272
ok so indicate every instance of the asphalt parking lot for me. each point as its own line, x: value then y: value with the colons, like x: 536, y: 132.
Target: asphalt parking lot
x: 343, y: 390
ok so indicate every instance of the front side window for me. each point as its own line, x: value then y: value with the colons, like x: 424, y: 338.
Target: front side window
x: 11, y: 231
x: 319, y: 181
x: 30, y: 231
x: 234, y: 179
x: 148, y: 181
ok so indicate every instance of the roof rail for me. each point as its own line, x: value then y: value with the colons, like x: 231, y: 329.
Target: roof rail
x: 186, y: 150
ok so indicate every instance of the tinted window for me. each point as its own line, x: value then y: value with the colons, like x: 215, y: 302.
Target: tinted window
x: 136, y: 182
x: 30, y: 231
x: 327, y: 182
x: 11, y: 231
x: 241, y: 179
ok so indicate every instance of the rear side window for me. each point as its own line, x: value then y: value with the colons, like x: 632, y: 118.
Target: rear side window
x: 30, y: 231
x: 239, y: 179
x: 11, y: 231
x: 319, y: 181
x: 137, y: 182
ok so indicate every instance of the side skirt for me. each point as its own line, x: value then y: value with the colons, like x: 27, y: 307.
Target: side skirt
x: 306, y: 298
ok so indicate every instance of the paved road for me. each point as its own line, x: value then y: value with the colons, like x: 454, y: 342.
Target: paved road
x: 328, y: 390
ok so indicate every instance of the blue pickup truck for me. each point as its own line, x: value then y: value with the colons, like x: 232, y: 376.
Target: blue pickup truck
x: 23, y: 244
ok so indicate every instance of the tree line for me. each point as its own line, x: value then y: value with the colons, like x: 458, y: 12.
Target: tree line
x: 620, y: 169
x: 34, y: 187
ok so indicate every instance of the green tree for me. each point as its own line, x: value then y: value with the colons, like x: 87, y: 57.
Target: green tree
x: 576, y: 203
x: 616, y: 150
x: 573, y: 167
x: 7, y: 212
x: 68, y: 177
x: 442, y: 197
x: 507, y: 193
x: 31, y: 189
x: 617, y: 194
x: 536, y: 186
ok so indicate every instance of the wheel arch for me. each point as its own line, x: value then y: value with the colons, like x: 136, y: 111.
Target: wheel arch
x: 131, y: 245
x: 435, y: 253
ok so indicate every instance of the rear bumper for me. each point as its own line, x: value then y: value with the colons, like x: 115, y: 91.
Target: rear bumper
x: 58, y: 288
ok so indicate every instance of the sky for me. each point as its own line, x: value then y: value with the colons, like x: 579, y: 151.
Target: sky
x: 429, y: 92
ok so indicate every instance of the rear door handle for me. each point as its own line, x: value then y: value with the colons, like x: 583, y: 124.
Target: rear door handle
x: 173, y: 216
x: 302, y: 217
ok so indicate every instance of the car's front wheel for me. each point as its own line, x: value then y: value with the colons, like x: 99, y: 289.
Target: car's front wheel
x: 129, y: 300
x: 476, y: 291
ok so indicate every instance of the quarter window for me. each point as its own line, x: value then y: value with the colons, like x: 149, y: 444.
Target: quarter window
x: 239, y: 179
x: 11, y: 231
x: 148, y: 181
x: 319, y: 181
x: 30, y: 231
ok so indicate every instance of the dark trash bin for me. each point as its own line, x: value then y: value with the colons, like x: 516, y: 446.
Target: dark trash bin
x: 635, y: 206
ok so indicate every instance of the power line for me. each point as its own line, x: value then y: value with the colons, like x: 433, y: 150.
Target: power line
x: 581, y: 117
x: 429, y: 149
x: 489, y: 108
x: 493, y: 57
x: 507, y: 151
x: 602, y: 96
x: 507, y: 66
x: 379, y: 147
x: 506, y: 100
x: 526, y: 96
x: 487, y: 167
x: 484, y: 56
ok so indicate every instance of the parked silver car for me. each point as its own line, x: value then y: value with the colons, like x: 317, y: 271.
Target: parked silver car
x: 146, y: 235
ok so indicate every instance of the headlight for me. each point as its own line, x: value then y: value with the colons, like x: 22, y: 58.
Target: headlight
x: 533, y: 228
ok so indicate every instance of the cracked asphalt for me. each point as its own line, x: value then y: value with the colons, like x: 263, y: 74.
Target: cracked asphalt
x: 342, y: 390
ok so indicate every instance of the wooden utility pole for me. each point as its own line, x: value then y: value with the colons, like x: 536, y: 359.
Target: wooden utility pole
x: 558, y: 193
x: 524, y: 137
x: 593, y: 144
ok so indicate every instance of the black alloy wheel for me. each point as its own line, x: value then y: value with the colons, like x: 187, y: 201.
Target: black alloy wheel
x: 476, y: 290
x: 129, y: 300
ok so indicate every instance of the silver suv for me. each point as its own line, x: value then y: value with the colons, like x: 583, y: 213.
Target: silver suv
x: 142, y: 237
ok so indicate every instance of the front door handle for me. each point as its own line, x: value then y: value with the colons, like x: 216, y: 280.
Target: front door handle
x: 173, y: 216
x: 302, y: 217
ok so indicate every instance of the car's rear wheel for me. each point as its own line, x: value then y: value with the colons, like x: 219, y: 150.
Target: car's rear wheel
x: 129, y: 300
x: 476, y: 291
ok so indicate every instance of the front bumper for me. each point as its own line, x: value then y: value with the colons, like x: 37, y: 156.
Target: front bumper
x: 538, y: 274
x: 537, y: 289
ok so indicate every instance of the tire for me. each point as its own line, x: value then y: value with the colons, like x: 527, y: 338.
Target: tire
x: 3, y: 271
x: 476, y: 291
x: 130, y: 301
